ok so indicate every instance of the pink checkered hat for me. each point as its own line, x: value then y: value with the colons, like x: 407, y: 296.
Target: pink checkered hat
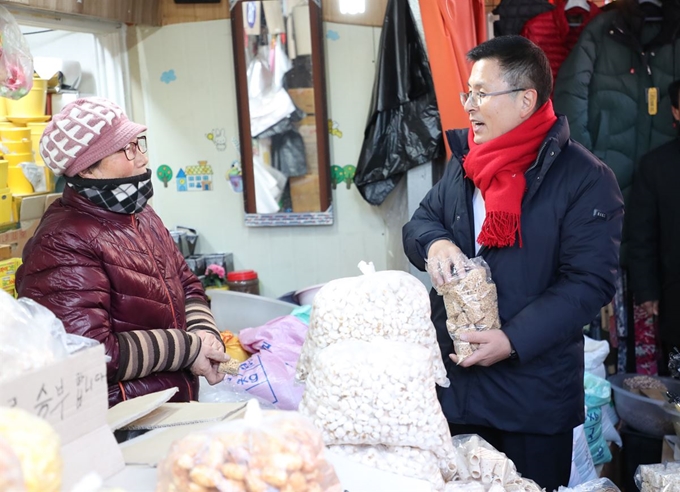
x: 84, y: 132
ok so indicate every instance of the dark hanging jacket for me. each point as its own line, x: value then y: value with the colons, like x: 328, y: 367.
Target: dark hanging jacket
x: 602, y: 85
x: 653, y: 223
x: 515, y: 13
x: 547, y: 290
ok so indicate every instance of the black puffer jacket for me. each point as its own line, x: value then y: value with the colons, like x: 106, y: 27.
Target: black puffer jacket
x: 514, y: 14
x: 603, y: 85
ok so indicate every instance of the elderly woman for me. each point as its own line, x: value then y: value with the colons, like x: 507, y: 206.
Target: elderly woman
x: 105, y: 265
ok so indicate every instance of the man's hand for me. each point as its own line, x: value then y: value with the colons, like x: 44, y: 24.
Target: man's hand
x: 209, y: 359
x: 494, y: 346
x: 651, y: 308
x: 444, y: 260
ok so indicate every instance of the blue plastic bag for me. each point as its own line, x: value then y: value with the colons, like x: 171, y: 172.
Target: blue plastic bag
x: 598, y: 393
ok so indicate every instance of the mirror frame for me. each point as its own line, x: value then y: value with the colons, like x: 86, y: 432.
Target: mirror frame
x: 252, y: 218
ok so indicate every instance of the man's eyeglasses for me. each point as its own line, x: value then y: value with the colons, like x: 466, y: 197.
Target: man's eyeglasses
x: 132, y: 148
x: 477, y: 98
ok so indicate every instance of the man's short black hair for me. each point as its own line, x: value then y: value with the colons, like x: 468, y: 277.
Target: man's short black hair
x: 523, y: 63
x: 674, y: 92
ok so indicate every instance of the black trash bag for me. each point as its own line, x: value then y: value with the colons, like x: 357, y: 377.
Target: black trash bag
x: 288, y: 154
x: 288, y: 147
x: 403, y: 129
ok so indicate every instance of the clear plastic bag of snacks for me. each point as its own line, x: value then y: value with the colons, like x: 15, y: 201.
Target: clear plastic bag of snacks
x: 270, y: 452
x: 471, y: 302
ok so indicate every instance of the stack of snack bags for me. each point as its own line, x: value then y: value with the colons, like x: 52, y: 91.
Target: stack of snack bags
x: 370, y: 362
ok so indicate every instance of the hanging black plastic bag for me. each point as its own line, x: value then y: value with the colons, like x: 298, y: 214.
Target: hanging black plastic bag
x: 403, y: 129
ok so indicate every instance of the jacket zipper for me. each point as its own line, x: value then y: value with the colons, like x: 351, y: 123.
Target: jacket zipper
x: 153, y: 260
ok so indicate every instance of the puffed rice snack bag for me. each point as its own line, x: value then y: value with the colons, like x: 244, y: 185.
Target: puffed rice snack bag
x: 388, y: 305
x: 379, y: 392
x: 274, y: 452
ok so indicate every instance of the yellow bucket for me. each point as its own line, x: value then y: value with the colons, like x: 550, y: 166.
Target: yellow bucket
x: 32, y: 104
x: 21, y: 147
x: 15, y: 134
x: 3, y: 109
x: 4, y: 165
x: 5, y: 205
x: 16, y: 159
x: 17, y: 181
x: 37, y: 128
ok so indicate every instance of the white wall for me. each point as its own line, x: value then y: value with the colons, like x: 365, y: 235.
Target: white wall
x: 67, y: 45
x: 180, y: 113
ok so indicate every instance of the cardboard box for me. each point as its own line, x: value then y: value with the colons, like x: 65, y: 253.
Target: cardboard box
x: 303, y: 99
x: 30, y: 210
x: 305, y: 193
x: 72, y: 395
x: 9, y: 267
x: 5, y: 251
x: 308, y: 133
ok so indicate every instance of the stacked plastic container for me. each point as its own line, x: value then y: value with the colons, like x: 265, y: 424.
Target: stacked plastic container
x: 21, y: 125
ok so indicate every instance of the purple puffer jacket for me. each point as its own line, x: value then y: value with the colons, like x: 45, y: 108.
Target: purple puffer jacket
x: 103, y: 273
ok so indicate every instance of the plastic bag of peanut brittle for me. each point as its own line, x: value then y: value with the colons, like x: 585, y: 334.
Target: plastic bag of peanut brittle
x: 471, y: 303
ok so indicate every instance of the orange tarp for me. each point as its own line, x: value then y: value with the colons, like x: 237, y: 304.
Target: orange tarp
x: 452, y: 28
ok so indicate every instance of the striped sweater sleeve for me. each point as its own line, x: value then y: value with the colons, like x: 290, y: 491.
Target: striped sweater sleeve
x: 199, y: 317
x: 143, y: 352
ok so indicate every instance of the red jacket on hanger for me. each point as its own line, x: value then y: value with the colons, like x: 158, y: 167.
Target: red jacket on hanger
x: 552, y: 31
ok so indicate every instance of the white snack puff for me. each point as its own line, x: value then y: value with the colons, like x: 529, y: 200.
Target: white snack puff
x: 389, y: 305
x: 379, y: 392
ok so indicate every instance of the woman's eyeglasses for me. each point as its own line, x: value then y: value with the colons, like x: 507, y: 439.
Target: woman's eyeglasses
x: 132, y: 148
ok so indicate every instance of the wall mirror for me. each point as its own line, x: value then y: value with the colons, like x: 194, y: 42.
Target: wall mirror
x: 283, y: 123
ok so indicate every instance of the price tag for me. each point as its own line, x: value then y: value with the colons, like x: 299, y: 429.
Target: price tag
x: 652, y: 100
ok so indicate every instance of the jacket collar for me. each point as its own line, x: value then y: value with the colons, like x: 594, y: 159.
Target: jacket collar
x: 71, y: 198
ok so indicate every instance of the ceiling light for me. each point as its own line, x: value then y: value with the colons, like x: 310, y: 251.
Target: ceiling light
x: 352, y: 7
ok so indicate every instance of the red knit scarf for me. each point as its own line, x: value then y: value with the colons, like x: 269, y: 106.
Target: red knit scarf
x: 497, y: 168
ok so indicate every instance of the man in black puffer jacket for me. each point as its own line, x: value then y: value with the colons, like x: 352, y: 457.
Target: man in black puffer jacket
x: 554, y: 269
x: 654, y: 235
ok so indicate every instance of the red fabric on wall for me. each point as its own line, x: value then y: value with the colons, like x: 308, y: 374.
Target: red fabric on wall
x: 552, y: 33
x: 452, y: 28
